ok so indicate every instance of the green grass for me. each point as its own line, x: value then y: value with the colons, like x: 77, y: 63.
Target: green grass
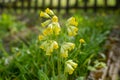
x: 29, y: 62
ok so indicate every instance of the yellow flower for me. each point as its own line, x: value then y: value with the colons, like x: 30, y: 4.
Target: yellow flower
x: 72, y: 31
x: 45, y: 23
x: 49, y: 50
x: 54, y: 19
x: 40, y: 37
x: 72, y: 21
x: 63, y: 53
x: 55, y: 45
x: 48, y: 11
x: 44, y: 15
x: 69, y: 46
x: 52, y: 45
x: 44, y: 45
x: 45, y: 32
x: 69, y: 69
x: 56, y: 28
x: 72, y: 63
x: 49, y: 46
x: 82, y: 41
x: 65, y: 47
x: 48, y: 30
x: 70, y: 66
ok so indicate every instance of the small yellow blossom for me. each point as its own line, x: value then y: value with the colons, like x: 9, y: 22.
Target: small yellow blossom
x: 55, y: 45
x: 48, y: 30
x: 44, y: 45
x: 45, y: 23
x: 72, y: 31
x: 45, y: 32
x: 56, y: 28
x: 82, y: 41
x: 44, y: 15
x: 72, y: 21
x: 65, y: 48
x: 49, y: 46
x: 49, y: 51
x: 64, y: 53
x: 54, y: 19
x: 69, y: 46
x: 70, y: 66
x: 40, y: 37
x: 69, y: 69
x: 57, y: 31
x: 48, y: 11
x: 72, y: 63
x: 71, y: 26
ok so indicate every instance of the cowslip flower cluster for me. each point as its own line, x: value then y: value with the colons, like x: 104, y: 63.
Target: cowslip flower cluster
x: 65, y: 47
x: 70, y: 66
x: 49, y: 46
x: 52, y: 24
x: 52, y: 28
x: 72, y: 26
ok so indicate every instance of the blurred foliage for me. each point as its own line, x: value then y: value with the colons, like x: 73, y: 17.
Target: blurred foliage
x: 9, y: 25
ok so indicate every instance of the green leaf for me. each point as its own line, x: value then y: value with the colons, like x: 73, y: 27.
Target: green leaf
x: 81, y: 78
x: 91, y: 68
x: 42, y: 75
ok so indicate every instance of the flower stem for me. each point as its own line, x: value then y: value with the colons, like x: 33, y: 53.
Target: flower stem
x: 53, y: 68
x: 59, y: 66
x: 78, y: 50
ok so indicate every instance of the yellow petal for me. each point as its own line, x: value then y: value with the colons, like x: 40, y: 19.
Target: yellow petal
x: 48, y: 30
x: 44, y: 45
x: 72, y: 30
x: 55, y: 19
x: 48, y: 11
x: 72, y: 63
x: 69, y: 69
x: 55, y: 45
x: 64, y: 54
x: 40, y: 37
x: 82, y: 41
x: 72, y: 21
x: 57, y: 28
x: 44, y: 15
x: 45, y: 23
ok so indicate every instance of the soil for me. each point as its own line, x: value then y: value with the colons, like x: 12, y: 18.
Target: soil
x: 112, y: 71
